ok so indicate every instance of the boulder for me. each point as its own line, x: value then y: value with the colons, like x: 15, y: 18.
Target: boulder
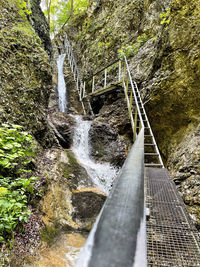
x: 87, y: 203
x: 62, y: 125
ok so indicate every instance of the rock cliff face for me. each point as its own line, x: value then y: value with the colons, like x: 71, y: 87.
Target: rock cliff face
x: 25, y: 73
x: 165, y: 62
x: 39, y: 23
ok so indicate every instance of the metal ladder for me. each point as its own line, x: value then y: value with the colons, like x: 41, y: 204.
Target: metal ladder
x: 150, y: 142
x: 136, y: 110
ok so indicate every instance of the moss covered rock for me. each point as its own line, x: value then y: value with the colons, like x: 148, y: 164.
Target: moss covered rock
x: 25, y: 73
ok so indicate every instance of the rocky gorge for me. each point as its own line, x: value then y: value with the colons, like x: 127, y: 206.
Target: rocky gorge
x: 161, y: 40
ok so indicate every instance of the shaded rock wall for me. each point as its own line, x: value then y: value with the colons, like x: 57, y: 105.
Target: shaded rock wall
x: 166, y: 67
x: 39, y: 23
x: 25, y: 74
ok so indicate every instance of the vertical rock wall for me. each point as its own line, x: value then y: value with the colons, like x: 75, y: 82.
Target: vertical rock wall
x: 166, y: 66
x: 25, y: 74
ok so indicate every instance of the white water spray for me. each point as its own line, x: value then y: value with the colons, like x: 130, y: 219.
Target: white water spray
x: 61, y: 84
x: 102, y: 174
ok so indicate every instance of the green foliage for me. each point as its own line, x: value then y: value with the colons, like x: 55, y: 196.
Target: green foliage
x: 165, y: 17
x: 16, y: 185
x: 23, y: 10
x: 132, y: 49
x: 60, y: 12
x: 16, y: 148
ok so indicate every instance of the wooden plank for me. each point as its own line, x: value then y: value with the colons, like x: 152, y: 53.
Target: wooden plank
x: 110, y: 87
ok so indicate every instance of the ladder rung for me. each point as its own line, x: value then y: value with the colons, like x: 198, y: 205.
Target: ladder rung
x: 149, y: 144
x: 151, y: 154
x: 145, y: 127
x: 153, y: 164
x: 148, y: 135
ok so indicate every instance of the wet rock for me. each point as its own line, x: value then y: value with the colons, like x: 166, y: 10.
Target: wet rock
x: 87, y: 203
x: 63, y: 128
x: 63, y: 174
x: 63, y: 252
x: 106, y: 144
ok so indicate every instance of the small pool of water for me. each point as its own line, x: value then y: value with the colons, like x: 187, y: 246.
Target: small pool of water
x: 63, y: 253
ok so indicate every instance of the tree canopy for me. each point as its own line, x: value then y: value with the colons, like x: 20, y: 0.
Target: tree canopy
x: 58, y: 12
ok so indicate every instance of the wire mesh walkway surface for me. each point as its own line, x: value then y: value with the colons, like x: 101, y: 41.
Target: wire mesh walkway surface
x: 172, y: 239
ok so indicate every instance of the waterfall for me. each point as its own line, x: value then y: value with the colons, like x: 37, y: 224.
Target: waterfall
x: 102, y: 174
x: 61, y: 84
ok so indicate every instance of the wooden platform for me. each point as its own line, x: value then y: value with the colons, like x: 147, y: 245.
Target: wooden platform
x: 109, y: 88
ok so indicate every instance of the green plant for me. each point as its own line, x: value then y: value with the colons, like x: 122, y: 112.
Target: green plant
x: 165, y: 17
x: 16, y: 149
x: 16, y: 184
x: 132, y: 49
x: 22, y: 5
x: 60, y: 12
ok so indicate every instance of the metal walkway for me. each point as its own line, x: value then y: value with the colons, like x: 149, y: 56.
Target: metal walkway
x: 172, y: 239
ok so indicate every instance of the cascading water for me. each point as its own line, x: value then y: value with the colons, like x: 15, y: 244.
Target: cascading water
x: 102, y: 174
x: 61, y: 84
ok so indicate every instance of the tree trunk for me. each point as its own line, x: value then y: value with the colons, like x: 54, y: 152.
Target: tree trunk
x: 72, y: 8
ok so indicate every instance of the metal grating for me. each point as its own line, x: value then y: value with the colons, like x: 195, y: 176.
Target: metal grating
x: 161, y: 191
x: 168, y: 215
x: 172, y: 239
x: 171, y: 247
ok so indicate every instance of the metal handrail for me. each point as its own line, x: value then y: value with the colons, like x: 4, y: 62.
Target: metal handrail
x: 118, y: 237
x: 80, y: 86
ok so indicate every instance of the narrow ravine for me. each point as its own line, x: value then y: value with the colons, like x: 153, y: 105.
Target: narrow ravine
x: 65, y: 249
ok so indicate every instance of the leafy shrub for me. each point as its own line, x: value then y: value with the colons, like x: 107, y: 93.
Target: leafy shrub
x: 132, y: 49
x: 16, y: 185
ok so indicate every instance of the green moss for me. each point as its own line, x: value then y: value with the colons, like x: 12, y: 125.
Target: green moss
x: 72, y: 160
x: 66, y: 171
x: 25, y: 28
x: 26, y: 73
x: 48, y: 234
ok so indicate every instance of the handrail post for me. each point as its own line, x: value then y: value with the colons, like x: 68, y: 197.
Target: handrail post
x: 105, y: 79
x: 120, y: 66
x: 93, y: 82
x: 131, y: 103
x: 75, y: 71
x: 124, y: 72
x: 84, y: 89
x: 77, y: 86
x: 126, y: 89
x: 135, y: 125
x: 81, y: 91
